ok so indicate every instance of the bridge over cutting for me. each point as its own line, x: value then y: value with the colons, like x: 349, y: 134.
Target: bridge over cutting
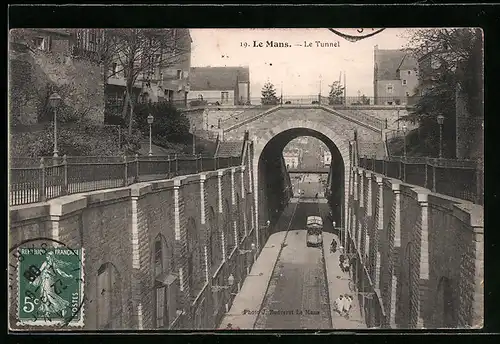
x: 272, y: 129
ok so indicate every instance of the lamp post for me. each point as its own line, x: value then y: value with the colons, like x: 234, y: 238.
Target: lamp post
x: 281, y: 97
x: 252, y: 248
x: 150, y: 122
x: 404, y: 139
x: 440, y: 120
x: 54, y: 101
x: 194, y: 140
x: 320, y: 84
x: 230, y: 283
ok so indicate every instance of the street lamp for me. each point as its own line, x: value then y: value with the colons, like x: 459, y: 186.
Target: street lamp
x: 230, y: 283
x: 404, y: 138
x: 194, y: 140
x: 54, y: 101
x: 440, y: 120
x: 248, y: 251
x: 150, y: 122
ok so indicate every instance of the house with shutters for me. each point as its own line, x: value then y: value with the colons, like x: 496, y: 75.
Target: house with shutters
x: 395, y: 76
x: 219, y: 85
x: 160, y: 83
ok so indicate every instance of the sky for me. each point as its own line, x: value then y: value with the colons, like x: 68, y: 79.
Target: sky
x: 298, y: 68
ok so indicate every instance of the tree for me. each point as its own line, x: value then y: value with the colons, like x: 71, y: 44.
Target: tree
x: 141, y: 54
x: 454, y: 59
x: 269, y: 95
x: 336, y: 95
x: 169, y: 123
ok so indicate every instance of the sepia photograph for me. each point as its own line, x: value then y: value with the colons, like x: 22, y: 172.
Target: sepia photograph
x: 245, y: 179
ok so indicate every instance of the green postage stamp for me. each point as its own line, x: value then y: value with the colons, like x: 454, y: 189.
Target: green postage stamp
x: 50, y: 287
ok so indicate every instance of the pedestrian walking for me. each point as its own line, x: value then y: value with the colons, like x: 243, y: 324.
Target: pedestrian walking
x: 347, y: 265
x: 333, y: 247
x: 338, y: 304
x: 230, y: 327
x: 343, y: 306
x: 348, y: 304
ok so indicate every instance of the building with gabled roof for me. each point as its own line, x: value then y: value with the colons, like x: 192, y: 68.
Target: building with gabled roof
x: 395, y: 76
x: 222, y: 85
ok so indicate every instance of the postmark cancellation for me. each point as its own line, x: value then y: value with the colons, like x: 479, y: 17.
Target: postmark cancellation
x: 50, y: 286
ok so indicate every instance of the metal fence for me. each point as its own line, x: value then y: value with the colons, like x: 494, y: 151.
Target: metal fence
x: 457, y: 178
x: 55, y: 177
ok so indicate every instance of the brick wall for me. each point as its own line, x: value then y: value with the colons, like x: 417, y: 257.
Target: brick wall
x: 119, y: 227
x: 431, y: 252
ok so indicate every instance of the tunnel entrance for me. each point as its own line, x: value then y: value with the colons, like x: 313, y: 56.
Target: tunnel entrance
x: 274, y: 184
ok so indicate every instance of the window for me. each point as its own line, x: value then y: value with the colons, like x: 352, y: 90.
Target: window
x: 239, y: 217
x: 409, y: 72
x: 92, y: 46
x: 169, y: 94
x: 224, y: 97
x: 195, y: 273
x: 161, y: 307
x: 165, y: 283
x: 158, y: 256
x: 404, y: 81
x: 179, y: 74
x: 215, y: 241
x: 108, y: 298
x: 229, y: 230
x: 41, y: 43
x: 389, y: 88
x: 114, y: 68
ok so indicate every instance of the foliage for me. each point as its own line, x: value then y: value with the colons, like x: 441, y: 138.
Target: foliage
x: 198, y: 102
x: 336, y: 94
x: 364, y: 100
x: 139, y: 54
x: 72, y: 140
x: 269, y: 95
x: 454, y: 58
x: 169, y: 124
x: 26, y: 87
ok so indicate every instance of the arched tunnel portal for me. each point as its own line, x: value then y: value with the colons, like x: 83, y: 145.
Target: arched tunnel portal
x: 273, y: 186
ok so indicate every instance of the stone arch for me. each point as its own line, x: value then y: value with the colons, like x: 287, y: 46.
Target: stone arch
x: 239, y: 218
x: 340, y: 141
x: 162, y: 255
x: 407, y: 288
x: 195, y: 275
x: 228, y: 227
x: 445, y: 313
x: 109, y: 311
x: 215, y: 240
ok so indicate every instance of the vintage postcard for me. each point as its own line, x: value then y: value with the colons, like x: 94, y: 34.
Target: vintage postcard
x: 245, y: 179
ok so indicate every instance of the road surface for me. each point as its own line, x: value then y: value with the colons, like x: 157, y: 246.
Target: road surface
x: 297, y: 296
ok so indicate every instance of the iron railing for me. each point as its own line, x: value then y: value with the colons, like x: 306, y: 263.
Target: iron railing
x: 55, y: 177
x: 457, y: 178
